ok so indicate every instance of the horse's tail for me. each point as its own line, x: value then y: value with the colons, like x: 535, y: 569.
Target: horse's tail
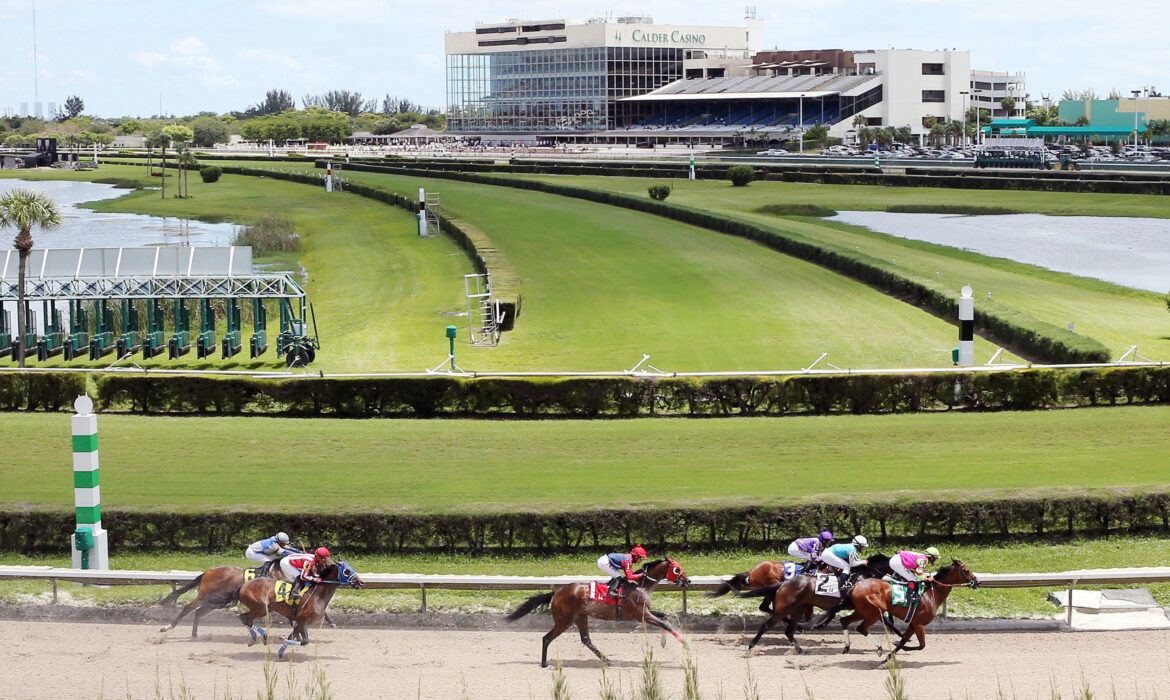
x: 536, y: 601
x: 735, y: 583
x: 180, y: 591
x: 761, y: 592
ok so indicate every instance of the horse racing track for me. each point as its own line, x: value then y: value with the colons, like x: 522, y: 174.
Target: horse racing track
x: 64, y: 659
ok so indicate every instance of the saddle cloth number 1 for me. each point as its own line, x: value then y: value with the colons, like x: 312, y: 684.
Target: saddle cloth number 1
x: 827, y: 585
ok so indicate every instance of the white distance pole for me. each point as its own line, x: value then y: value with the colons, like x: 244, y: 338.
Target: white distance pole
x: 966, y: 327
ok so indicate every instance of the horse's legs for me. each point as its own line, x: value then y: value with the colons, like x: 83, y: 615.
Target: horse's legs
x: 912, y: 630
x: 195, y: 623
x: 888, y: 621
x: 182, y: 613
x: 772, y: 619
x: 583, y: 628
x: 649, y: 617
x: 788, y: 632
x: 559, y: 626
x: 329, y: 620
x: 845, y: 623
x: 863, y: 629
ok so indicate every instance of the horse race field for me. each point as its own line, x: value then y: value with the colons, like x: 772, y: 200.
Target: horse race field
x: 475, y: 465
x: 58, y: 659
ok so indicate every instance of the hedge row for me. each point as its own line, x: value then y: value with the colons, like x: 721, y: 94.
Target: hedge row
x: 50, y: 391
x: 661, y: 529
x: 1025, y: 335
x: 625, y: 397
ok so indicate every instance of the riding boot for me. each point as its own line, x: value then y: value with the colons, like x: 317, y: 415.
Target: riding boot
x: 265, y: 568
x: 615, y: 587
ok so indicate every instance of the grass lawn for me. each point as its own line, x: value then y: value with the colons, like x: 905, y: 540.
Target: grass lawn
x: 1004, y: 557
x: 379, y: 291
x: 469, y: 465
x: 1117, y: 316
x: 602, y: 285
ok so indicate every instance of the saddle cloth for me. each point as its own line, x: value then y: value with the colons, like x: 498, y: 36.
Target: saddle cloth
x: 791, y: 569
x: 250, y: 574
x: 599, y: 593
x: 828, y: 585
x: 287, y: 593
x: 899, y: 591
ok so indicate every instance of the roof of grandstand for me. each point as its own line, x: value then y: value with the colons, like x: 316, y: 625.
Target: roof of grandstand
x: 757, y: 87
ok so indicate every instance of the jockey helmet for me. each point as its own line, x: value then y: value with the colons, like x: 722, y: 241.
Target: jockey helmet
x: 826, y: 536
x: 322, y: 553
x: 282, y: 538
x: 932, y: 553
x: 861, y: 542
x: 638, y: 552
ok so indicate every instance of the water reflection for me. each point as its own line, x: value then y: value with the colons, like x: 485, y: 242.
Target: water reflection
x: 82, y: 228
x: 1131, y: 252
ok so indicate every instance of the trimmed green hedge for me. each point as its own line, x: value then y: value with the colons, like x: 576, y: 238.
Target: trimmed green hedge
x: 626, y: 397
x: 661, y: 529
x: 50, y: 391
x: 1024, y: 335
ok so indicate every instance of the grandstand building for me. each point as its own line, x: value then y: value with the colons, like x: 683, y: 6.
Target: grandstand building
x: 532, y: 77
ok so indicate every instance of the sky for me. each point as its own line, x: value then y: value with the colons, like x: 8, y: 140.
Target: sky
x: 124, y: 56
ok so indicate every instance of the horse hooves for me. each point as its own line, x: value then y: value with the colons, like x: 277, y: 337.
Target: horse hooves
x: 845, y: 650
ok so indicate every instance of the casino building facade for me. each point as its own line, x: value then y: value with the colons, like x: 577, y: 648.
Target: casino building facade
x: 540, y: 77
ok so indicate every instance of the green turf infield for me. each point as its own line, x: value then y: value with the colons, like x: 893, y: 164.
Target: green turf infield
x: 475, y: 465
x: 602, y: 285
x: 1014, y: 556
x: 1117, y: 316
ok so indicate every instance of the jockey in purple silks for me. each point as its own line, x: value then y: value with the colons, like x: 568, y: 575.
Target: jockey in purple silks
x: 809, y: 549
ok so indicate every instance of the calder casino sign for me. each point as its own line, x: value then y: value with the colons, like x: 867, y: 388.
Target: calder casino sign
x: 675, y: 37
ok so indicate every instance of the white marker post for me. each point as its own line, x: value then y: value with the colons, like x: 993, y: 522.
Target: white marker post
x: 422, y: 212
x: 87, y: 492
x: 966, y: 327
x: 692, y: 177
x: 329, y: 176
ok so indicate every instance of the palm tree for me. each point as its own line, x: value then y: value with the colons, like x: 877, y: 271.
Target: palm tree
x: 22, y: 210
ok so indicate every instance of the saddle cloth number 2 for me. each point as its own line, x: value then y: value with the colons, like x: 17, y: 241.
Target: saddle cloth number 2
x: 827, y: 585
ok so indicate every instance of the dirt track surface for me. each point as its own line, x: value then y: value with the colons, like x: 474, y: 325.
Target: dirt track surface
x: 89, y: 660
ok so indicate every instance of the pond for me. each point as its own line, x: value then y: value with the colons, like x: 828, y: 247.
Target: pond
x: 82, y: 228
x: 1131, y: 252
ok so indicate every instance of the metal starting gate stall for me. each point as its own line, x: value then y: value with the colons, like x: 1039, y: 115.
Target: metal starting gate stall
x: 82, y: 285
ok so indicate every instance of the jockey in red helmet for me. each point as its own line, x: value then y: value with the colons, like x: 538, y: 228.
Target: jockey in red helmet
x: 308, y: 568
x: 620, y: 567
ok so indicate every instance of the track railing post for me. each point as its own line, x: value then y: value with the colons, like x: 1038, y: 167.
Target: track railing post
x: 1068, y: 618
x: 54, y: 591
x: 684, y: 611
x: 423, y: 588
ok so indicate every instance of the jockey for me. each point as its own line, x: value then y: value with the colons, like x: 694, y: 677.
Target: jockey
x: 268, y: 550
x: 306, y: 567
x: 844, y: 557
x: 911, y: 566
x: 621, y: 566
x: 809, y: 549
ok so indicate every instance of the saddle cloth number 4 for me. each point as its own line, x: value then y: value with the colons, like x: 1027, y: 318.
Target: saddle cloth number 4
x: 827, y: 585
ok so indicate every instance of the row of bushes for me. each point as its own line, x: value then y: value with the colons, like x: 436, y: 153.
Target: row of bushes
x: 49, y: 391
x: 660, y: 529
x: 1025, y: 335
x: 625, y: 397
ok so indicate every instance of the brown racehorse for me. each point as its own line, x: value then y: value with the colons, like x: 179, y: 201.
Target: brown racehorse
x: 259, y: 597
x: 571, y: 605
x: 793, y: 600
x: 767, y: 573
x: 871, y: 600
x: 219, y: 587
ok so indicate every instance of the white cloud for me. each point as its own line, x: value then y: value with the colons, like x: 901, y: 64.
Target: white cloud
x: 190, y: 58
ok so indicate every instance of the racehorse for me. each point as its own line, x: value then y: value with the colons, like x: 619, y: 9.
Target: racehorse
x: 767, y: 573
x: 794, y: 599
x: 219, y: 587
x: 259, y: 597
x: 871, y: 600
x: 571, y: 605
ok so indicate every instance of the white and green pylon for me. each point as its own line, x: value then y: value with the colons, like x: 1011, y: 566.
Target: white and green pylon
x: 87, y: 501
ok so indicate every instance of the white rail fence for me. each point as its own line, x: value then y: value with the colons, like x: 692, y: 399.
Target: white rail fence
x: 425, y: 582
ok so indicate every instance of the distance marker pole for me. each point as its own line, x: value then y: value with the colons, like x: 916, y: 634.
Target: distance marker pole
x: 86, y: 490
x: 966, y: 327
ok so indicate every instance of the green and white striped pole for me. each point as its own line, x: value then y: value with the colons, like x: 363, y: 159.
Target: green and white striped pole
x: 86, y: 490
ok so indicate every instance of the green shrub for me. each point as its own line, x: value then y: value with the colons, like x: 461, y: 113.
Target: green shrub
x: 962, y: 209
x: 270, y: 234
x: 796, y: 210
x: 210, y: 173
x: 741, y: 175
x: 659, y: 192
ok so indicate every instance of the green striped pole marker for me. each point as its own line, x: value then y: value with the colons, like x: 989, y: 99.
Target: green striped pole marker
x: 86, y: 489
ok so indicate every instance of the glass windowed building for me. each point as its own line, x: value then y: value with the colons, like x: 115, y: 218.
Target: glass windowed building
x: 525, y: 77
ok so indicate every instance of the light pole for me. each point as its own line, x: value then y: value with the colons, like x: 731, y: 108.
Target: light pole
x: 965, y: 94
x: 1135, y: 107
x: 802, y: 123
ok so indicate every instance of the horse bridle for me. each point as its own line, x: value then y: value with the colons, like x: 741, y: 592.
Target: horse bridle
x: 970, y: 581
x: 672, y: 563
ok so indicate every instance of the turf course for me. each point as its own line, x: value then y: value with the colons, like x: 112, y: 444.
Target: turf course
x: 1117, y: 316
x: 444, y: 466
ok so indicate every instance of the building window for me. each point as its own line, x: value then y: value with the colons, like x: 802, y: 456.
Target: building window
x: 934, y: 96
x: 932, y: 69
x: 494, y: 30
